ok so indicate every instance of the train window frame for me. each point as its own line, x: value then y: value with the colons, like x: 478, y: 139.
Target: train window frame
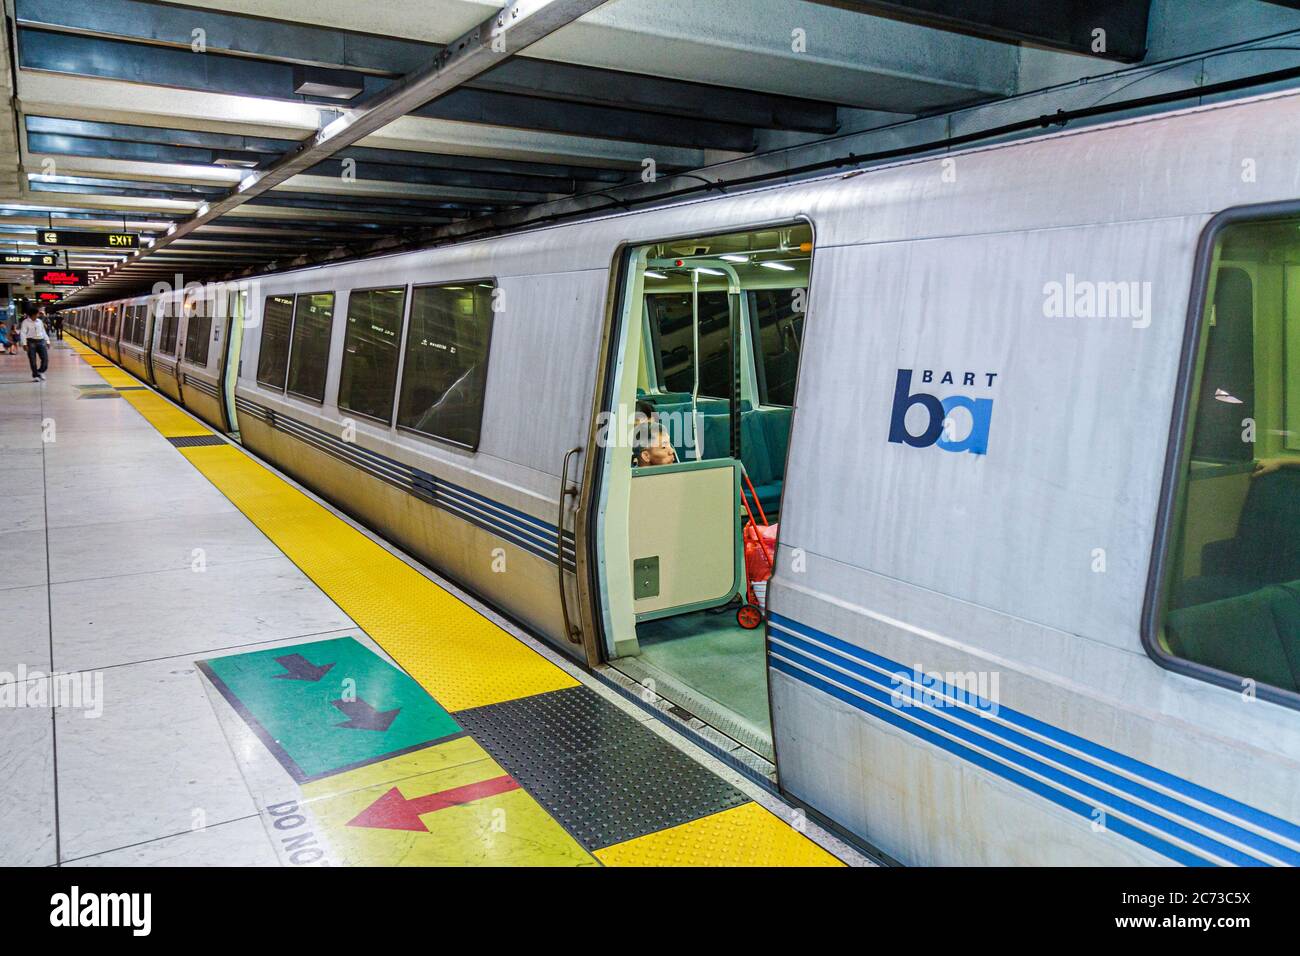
x: 165, y: 312
x: 261, y: 342
x: 1173, y: 479
x: 200, y: 305
x: 405, y: 287
x: 408, y: 322
x: 293, y: 328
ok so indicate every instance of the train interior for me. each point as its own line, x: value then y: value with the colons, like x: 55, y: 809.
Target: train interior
x: 1233, y: 585
x: 695, y: 450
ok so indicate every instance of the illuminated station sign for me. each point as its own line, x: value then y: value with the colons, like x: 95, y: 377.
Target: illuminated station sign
x: 89, y: 240
x: 61, y: 277
x: 18, y: 259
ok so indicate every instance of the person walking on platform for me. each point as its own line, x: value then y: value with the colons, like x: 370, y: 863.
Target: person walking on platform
x: 37, y: 343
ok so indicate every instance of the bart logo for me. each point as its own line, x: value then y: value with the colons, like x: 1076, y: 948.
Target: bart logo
x: 942, y: 427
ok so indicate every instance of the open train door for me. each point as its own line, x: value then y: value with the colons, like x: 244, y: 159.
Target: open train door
x: 692, y: 425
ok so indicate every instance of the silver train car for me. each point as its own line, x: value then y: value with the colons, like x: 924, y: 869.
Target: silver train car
x: 1018, y: 418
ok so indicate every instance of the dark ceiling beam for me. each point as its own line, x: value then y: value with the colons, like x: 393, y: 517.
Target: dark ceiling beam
x: 123, y: 61
x: 515, y: 27
x: 1066, y: 25
x: 238, y: 35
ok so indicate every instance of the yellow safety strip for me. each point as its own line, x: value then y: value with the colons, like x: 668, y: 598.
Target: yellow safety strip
x: 747, y: 835
x: 460, y: 657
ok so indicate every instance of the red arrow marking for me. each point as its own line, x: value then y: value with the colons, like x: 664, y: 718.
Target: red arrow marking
x: 393, y: 811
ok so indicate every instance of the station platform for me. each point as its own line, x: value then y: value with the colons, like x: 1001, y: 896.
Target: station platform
x: 203, y: 664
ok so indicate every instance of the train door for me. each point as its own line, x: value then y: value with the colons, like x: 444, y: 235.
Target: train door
x: 690, y: 456
x: 234, y: 309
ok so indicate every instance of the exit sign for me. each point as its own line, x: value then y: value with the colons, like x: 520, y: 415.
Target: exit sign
x: 89, y: 240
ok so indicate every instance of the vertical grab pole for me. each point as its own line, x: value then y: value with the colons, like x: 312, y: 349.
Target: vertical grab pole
x: 696, y: 437
x: 571, y: 634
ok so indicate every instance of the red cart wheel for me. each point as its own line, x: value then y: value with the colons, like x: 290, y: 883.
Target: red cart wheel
x: 749, y: 616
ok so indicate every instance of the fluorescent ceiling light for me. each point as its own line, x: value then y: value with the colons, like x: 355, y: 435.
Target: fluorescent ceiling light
x: 779, y: 266
x: 710, y: 272
x: 651, y: 274
x: 735, y: 257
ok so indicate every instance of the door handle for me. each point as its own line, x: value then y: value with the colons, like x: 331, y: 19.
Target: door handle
x: 571, y: 633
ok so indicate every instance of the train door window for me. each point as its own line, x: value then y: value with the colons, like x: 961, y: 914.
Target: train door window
x: 313, y: 318
x: 369, y: 374
x: 273, y: 353
x: 693, y: 463
x: 198, y: 331
x: 777, y: 318
x: 444, y: 372
x: 169, y: 318
x: 1231, y: 594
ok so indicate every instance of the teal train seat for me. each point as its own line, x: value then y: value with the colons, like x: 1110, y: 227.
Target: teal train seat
x: 1253, y: 635
x: 1265, y: 549
x: 764, y: 440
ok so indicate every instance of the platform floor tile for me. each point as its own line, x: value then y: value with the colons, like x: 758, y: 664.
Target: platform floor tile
x: 607, y: 777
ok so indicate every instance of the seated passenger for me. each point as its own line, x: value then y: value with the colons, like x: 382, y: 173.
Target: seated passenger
x: 651, y: 445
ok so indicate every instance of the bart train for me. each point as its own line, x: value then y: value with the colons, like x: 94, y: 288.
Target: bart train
x: 1021, y: 414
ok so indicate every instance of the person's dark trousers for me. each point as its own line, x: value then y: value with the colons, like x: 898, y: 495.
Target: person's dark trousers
x: 38, y: 350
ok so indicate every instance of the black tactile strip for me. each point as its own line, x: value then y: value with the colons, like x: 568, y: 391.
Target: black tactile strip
x: 189, y: 441
x: 603, y: 775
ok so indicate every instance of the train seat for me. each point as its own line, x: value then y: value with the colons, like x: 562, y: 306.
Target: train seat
x: 1265, y: 549
x: 1256, y: 635
x: 765, y: 443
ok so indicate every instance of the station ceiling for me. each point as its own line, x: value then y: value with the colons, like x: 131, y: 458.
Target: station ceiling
x: 241, y: 136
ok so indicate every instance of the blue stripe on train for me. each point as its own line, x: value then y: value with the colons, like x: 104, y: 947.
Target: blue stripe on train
x: 519, y: 528
x: 841, y: 654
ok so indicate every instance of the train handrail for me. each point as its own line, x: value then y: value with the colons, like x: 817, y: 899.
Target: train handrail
x: 571, y: 633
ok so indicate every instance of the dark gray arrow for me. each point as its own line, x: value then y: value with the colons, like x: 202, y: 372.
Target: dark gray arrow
x: 361, y: 716
x: 297, y: 667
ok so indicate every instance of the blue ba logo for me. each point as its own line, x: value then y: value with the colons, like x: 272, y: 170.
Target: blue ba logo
x: 942, y: 427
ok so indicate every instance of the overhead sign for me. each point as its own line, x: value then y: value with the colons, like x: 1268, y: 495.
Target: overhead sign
x: 49, y: 296
x: 39, y: 259
x: 90, y: 240
x: 61, y: 277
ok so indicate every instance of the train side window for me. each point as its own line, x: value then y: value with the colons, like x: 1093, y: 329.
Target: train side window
x: 777, y: 317
x: 198, y: 333
x: 369, y: 374
x: 313, y: 318
x: 273, y: 353
x: 444, y: 373
x: 1230, y: 604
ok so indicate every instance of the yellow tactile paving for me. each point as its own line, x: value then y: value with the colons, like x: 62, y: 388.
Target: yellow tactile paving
x: 747, y: 835
x: 163, y: 415
x: 117, y: 378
